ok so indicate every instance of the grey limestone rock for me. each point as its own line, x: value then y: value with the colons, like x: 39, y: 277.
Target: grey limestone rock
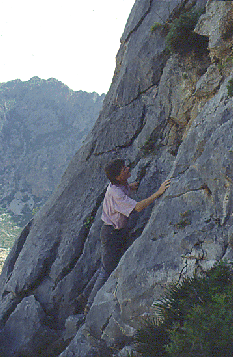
x: 24, y: 334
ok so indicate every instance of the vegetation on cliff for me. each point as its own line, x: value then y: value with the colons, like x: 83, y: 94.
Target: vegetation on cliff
x: 195, y: 318
x: 181, y: 37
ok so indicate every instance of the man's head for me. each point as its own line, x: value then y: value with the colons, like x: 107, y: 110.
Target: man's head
x: 117, y: 172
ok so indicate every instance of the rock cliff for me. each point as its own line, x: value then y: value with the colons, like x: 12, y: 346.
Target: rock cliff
x: 169, y: 114
x: 42, y: 125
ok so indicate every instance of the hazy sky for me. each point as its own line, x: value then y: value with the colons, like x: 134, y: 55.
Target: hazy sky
x: 74, y: 41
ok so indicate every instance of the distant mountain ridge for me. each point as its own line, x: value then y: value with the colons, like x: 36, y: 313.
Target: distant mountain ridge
x: 42, y: 125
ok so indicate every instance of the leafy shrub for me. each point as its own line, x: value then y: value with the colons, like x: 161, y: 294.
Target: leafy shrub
x: 181, y: 38
x: 196, y: 318
x: 151, y: 339
x: 156, y: 26
x: 230, y: 88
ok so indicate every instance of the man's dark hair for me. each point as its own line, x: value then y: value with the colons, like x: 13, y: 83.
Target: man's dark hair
x: 113, y: 169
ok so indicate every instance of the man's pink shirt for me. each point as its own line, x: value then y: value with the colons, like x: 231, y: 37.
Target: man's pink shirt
x: 117, y: 206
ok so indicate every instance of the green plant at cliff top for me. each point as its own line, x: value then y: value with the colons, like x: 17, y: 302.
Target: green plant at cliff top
x: 194, y: 319
x: 230, y: 88
x: 181, y: 38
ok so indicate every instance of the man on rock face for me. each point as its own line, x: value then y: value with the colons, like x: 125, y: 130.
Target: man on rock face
x: 117, y: 206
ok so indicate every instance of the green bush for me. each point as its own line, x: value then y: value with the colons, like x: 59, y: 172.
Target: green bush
x: 151, y: 339
x: 196, y: 318
x: 181, y: 38
x: 230, y: 88
x: 156, y: 26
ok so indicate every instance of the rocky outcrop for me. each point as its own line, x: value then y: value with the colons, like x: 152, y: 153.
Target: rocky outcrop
x: 42, y: 124
x: 171, y: 116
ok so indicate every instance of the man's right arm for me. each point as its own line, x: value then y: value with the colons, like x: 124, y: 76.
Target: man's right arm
x: 147, y: 201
